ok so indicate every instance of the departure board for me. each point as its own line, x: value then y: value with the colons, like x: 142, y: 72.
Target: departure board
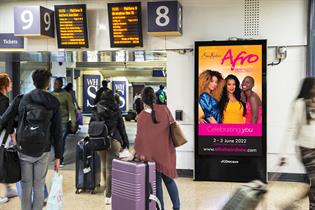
x: 125, y: 24
x: 71, y: 25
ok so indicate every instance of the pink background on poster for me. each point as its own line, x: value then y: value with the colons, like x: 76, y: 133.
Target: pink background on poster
x: 229, y: 130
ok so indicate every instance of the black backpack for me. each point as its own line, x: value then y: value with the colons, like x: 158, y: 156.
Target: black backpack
x: 33, y: 132
x: 100, y: 134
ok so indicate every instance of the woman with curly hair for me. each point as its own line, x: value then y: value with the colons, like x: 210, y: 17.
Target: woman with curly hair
x: 210, y: 87
x: 231, y: 107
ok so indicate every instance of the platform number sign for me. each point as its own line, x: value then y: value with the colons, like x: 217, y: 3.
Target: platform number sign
x: 165, y: 18
x: 34, y: 21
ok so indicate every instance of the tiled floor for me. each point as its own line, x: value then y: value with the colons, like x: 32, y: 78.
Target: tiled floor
x: 193, y: 195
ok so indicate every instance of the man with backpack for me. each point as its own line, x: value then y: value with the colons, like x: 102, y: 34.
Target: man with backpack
x: 100, y: 91
x: 39, y: 128
x: 161, y: 96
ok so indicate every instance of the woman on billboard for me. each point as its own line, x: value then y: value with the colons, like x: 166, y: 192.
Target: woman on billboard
x: 210, y: 86
x: 253, y: 103
x: 232, y: 108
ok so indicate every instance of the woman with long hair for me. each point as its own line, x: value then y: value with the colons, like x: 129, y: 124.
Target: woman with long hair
x: 302, y: 129
x: 107, y: 110
x: 210, y: 87
x: 153, y: 143
x: 232, y: 108
x: 253, y: 103
x: 5, y: 89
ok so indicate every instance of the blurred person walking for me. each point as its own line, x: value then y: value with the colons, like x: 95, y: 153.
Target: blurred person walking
x: 5, y: 89
x: 302, y: 130
x: 153, y: 143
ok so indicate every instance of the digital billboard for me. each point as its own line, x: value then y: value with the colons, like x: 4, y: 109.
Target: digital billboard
x: 230, y: 102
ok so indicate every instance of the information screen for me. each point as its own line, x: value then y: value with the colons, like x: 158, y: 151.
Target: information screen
x: 125, y: 24
x: 230, y: 98
x: 71, y: 25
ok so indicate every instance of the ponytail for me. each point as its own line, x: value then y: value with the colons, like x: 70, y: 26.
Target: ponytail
x: 153, y: 116
x: 148, y: 97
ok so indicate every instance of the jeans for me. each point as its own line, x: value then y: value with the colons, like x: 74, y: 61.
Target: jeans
x: 33, y: 171
x: 106, y: 159
x: 171, y: 188
x: 64, y: 137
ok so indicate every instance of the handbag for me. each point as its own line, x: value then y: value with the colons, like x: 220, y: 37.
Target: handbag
x: 10, y: 169
x: 177, y: 135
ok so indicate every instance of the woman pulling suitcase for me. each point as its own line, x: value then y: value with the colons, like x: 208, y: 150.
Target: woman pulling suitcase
x: 153, y: 143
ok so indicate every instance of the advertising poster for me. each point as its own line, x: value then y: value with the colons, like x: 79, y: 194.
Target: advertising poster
x: 91, y: 83
x: 120, y: 89
x: 230, y: 99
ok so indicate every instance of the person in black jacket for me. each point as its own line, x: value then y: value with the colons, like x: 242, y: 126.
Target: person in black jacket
x: 5, y: 88
x: 34, y: 153
x: 100, y: 91
x: 108, y: 110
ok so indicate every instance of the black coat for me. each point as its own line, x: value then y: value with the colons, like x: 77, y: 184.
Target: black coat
x: 107, y: 110
x: 4, y: 104
x: 99, y: 94
x: 47, y: 100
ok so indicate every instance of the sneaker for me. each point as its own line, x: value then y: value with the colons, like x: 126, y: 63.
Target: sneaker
x: 10, y: 193
x: 45, y: 201
x: 62, y: 163
x: 3, y: 200
x: 108, y: 201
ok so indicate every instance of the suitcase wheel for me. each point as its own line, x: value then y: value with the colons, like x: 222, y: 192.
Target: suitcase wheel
x: 93, y: 192
x: 78, y: 191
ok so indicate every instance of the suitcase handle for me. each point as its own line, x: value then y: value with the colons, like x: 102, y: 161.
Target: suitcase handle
x: 156, y: 200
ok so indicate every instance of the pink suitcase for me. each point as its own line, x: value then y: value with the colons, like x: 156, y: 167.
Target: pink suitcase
x: 133, y: 185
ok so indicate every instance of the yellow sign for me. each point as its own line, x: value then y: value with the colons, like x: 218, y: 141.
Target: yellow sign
x: 71, y: 26
x: 125, y: 24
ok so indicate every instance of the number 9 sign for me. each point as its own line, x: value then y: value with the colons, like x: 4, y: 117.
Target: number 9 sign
x: 27, y: 18
x: 33, y: 21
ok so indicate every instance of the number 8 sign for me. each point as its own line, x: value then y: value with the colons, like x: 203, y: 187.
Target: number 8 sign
x: 165, y: 18
x: 33, y: 21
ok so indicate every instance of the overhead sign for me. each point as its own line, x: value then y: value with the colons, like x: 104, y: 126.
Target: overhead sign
x: 91, y: 83
x: 158, y: 73
x: 71, y: 26
x: 125, y: 24
x: 9, y: 41
x: 34, y: 21
x: 165, y: 18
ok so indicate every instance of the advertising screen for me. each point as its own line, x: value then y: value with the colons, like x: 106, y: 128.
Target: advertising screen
x: 230, y: 98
